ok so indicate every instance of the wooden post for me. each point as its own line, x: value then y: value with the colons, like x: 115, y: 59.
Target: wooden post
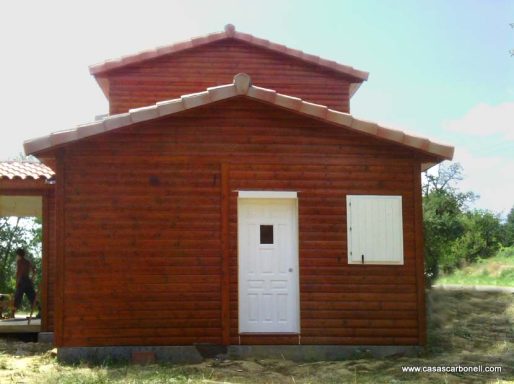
x: 420, y: 255
x: 44, y: 262
x: 225, y: 255
x: 60, y: 238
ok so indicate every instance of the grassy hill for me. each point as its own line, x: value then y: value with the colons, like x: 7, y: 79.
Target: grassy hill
x: 497, y: 270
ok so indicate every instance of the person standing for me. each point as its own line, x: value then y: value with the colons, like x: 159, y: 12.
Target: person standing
x: 24, y: 282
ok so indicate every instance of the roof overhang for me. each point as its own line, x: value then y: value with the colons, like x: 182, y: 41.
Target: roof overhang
x: 25, y: 170
x: 241, y: 86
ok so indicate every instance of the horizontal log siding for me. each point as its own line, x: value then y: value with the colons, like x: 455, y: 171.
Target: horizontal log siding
x: 142, y: 251
x: 340, y: 303
x: 197, y: 69
x: 143, y: 221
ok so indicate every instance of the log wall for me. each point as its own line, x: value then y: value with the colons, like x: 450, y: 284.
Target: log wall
x: 150, y: 225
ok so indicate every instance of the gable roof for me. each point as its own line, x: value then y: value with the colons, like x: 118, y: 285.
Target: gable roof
x: 25, y: 170
x: 242, y: 86
x: 229, y: 33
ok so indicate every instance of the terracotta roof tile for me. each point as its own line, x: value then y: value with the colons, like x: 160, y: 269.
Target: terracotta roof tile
x: 241, y: 86
x: 25, y: 170
x: 312, y: 109
x: 229, y: 32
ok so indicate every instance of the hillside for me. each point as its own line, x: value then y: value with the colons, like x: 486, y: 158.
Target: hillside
x: 497, y: 271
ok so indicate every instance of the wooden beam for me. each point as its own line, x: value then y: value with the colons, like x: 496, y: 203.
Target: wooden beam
x: 225, y: 251
x: 44, y: 263
x: 25, y: 185
x: 59, y: 278
x: 420, y: 255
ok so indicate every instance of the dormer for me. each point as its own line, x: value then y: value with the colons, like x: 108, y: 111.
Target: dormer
x: 182, y: 68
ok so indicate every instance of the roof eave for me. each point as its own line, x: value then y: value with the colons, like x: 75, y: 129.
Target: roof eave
x: 241, y: 86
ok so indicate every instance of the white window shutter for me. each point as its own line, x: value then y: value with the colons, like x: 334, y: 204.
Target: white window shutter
x: 375, y: 229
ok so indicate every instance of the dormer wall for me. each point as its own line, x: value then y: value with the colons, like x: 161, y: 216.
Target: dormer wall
x: 195, y: 69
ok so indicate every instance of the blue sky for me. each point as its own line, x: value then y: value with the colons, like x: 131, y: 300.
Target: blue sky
x: 441, y: 69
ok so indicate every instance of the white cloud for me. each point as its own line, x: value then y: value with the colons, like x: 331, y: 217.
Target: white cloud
x: 489, y: 167
x: 492, y: 177
x: 486, y: 120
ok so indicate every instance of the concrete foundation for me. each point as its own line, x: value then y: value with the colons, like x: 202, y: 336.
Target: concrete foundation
x: 171, y: 354
x: 196, y: 354
x: 45, y: 337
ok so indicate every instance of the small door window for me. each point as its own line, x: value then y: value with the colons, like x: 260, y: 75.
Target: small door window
x: 266, y: 234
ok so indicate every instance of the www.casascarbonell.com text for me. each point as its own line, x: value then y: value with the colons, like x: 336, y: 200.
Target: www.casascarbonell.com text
x: 453, y: 369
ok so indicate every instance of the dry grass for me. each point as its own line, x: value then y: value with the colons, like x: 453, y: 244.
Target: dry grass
x: 466, y: 328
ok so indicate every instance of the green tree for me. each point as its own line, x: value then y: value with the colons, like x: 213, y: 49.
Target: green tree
x: 508, y: 229
x: 441, y: 212
x: 455, y: 234
x: 443, y: 206
x: 16, y: 232
x: 481, y: 239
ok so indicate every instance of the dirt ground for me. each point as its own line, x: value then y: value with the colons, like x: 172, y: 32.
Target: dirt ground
x: 466, y: 328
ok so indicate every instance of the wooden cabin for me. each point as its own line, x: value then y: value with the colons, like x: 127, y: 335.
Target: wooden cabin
x: 230, y: 198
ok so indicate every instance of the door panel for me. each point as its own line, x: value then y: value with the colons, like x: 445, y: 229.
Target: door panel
x: 268, y: 266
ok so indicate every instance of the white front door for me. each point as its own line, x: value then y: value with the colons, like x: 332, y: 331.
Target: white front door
x: 268, y: 265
